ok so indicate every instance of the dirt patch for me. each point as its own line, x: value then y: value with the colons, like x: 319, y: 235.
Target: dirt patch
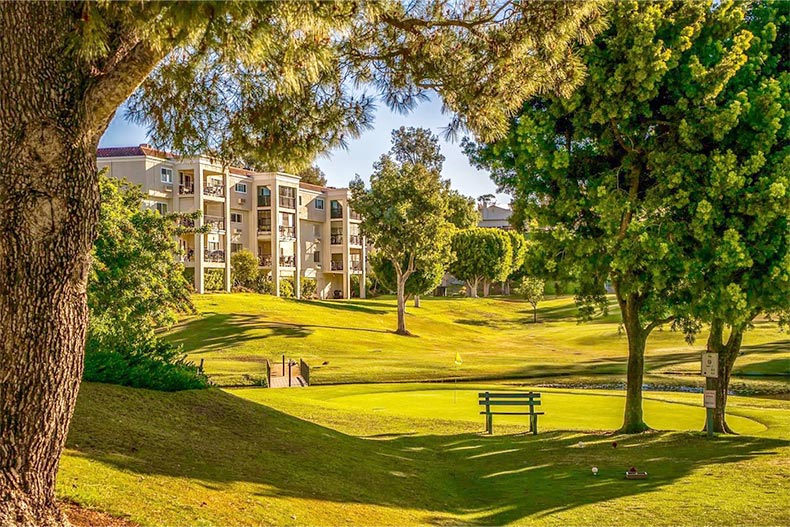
x: 82, y: 517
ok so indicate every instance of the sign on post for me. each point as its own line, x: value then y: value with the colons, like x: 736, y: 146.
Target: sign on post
x: 710, y: 365
x: 710, y: 398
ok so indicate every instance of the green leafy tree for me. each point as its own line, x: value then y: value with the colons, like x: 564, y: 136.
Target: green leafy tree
x: 421, y: 282
x: 134, y: 286
x: 244, y: 268
x: 404, y: 212
x: 268, y: 84
x: 730, y: 164
x: 519, y: 248
x: 531, y: 289
x: 600, y: 172
x: 313, y: 175
x: 480, y: 255
x: 461, y: 210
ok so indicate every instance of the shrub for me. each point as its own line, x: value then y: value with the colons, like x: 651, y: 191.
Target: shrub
x: 263, y: 282
x: 286, y: 288
x: 214, y: 279
x: 309, y: 287
x: 244, y: 268
x: 355, y: 280
x: 153, y: 364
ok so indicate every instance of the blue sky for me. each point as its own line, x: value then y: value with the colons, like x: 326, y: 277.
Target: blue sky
x: 341, y: 165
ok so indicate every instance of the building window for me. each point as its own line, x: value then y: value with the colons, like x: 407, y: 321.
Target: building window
x: 288, y: 197
x: 167, y: 175
x: 300, y: 201
x: 161, y: 208
x: 241, y: 188
x: 235, y: 217
x: 317, y: 257
x: 336, y: 209
x: 264, y: 197
x: 317, y: 231
x: 236, y: 247
x: 318, y: 203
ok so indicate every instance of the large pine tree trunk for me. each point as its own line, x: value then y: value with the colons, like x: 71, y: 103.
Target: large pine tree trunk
x: 50, y: 126
x: 633, y: 419
x: 49, y: 207
x: 728, y: 353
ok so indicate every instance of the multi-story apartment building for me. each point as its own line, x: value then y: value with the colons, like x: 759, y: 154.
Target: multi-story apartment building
x: 295, y: 229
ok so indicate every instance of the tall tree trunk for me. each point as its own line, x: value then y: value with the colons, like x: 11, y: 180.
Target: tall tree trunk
x: 633, y: 419
x: 486, y: 286
x: 472, y: 286
x: 401, y: 292
x: 728, y: 353
x: 416, y: 300
x: 534, y: 313
x: 51, y: 118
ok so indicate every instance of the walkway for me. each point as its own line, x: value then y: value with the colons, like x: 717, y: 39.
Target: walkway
x: 282, y: 382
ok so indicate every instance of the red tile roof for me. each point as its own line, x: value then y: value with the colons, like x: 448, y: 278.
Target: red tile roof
x: 128, y: 151
x: 310, y: 186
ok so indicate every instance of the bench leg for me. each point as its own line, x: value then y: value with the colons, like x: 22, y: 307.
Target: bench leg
x: 533, y: 424
x: 489, y: 424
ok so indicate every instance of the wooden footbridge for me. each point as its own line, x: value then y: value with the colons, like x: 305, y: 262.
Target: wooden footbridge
x: 287, y: 374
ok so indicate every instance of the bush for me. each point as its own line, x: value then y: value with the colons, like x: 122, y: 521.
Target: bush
x: 154, y: 364
x: 309, y: 287
x: 263, y: 282
x: 244, y: 268
x: 355, y: 280
x: 286, y: 288
x: 214, y: 279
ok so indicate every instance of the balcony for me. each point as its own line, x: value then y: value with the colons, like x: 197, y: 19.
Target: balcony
x: 214, y: 256
x: 264, y: 228
x: 287, y: 261
x: 287, y: 202
x: 336, y: 213
x: 216, y: 223
x: 186, y: 223
x: 354, y: 239
x: 336, y: 265
x: 287, y: 233
x: 265, y: 260
x: 186, y: 190
x: 214, y: 191
x: 264, y: 201
x: 336, y: 239
x: 354, y: 216
x: 356, y: 265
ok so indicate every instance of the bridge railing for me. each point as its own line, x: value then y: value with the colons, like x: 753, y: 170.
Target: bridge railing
x: 304, y: 371
x: 268, y: 374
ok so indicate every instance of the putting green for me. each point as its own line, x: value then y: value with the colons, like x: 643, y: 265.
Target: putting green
x: 564, y: 410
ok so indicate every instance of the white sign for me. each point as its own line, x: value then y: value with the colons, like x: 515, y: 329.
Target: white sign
x: 710, y: 398
x: 710, y: 365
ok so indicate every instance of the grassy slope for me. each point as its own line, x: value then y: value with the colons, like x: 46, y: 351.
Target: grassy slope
x: 496, y: 338
x: 338, y: 457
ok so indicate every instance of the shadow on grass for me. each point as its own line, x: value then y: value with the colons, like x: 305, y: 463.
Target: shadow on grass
x: 213, y: 438
x: 219, y: 331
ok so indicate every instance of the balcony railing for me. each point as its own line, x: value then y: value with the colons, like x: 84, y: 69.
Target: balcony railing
x: 265, y: 260
x: 264, y: 201
x: 186, y: 190
x: 354, y: 239
x: 287, y: 233
x: 214, y: 256
x: 336, y: 265
x: 264, y: 228
x: 188, y: 255
x: 216, y: 191
x: 187, y: 223
x: 336, y: 213
x: 354, y: 215
x: 287, y: 261
x: 356, y: 265
x: 216, y: 223
x: 336, y: 239
x: 287, y: 202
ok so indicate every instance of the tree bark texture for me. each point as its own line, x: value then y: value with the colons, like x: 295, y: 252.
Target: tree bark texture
x: 49, y: 208
x: 416, y: 300
x: 401, y: 291
x: 728, y: 353
x: 486, y: 287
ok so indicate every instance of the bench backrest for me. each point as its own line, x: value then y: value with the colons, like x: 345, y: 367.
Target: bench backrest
x: 509, y: 399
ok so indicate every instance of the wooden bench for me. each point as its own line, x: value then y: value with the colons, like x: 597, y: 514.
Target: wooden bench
x: 506, y: 400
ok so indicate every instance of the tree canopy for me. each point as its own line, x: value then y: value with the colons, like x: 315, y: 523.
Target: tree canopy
x: 481, y: 254
x: 605, y: 173
x: 313, y: 175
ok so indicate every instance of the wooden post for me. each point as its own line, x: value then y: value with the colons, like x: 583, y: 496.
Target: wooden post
x: 283, y: 357
x: 289, y: 373
x: 489, y: 417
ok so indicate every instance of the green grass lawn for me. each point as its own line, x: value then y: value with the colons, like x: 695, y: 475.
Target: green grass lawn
x: 413, y: 454
x: 351, y: 341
